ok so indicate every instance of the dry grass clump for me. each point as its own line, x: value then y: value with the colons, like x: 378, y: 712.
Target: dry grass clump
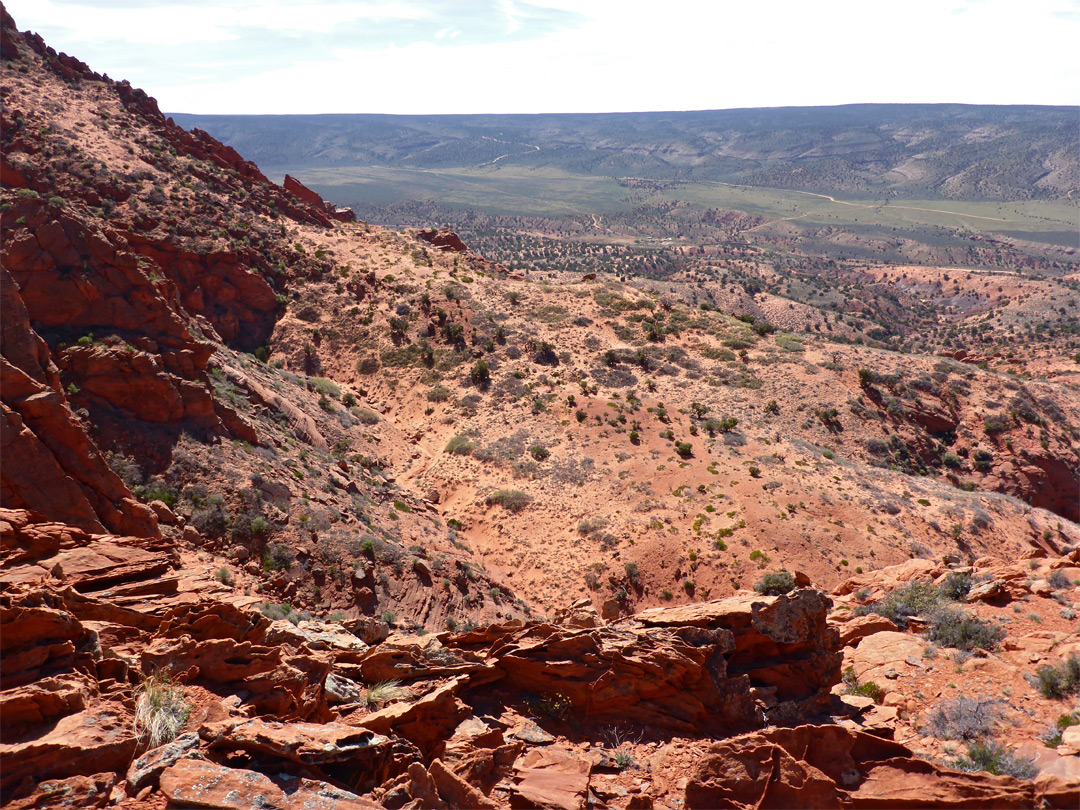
x: 379, y: 694
x: 161, y: 710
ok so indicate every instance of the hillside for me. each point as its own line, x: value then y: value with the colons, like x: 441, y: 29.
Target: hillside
x: 870, y: 150
x: 300, y: 511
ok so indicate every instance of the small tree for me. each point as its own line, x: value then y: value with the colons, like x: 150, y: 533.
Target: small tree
x: 481, y: 374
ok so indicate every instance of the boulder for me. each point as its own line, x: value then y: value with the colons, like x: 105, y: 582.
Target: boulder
x: 880, y: 657
x: 302, y: 743
x: 829, y: 766
x: 196, y: 783
x: 101, y: 738
x: 856, y: 628
x: 146, y: 770
x: 425, y: 722
x: 551, y: 778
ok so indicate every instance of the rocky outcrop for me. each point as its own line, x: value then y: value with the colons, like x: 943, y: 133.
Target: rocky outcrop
x: 197, y: 783
x: 782, y: 644
x: 443, y: 239
x: 827, y: 766
x: 283, y: 715
x: 298, y: 189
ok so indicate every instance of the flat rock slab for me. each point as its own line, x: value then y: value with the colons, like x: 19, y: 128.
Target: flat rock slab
x: 552, y: 778
x: 196, y: 783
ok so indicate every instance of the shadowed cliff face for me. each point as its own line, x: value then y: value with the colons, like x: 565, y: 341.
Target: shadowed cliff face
x: 131, y: 289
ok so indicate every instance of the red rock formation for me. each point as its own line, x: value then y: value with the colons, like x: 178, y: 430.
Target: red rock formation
x: 826, y: 766
x: 444, y: 239
x: 298, y: 189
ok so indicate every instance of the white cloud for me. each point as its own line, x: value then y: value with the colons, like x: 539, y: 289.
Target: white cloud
x: 619, y: 55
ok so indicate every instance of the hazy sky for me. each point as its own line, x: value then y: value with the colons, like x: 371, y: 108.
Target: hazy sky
x: 507, y: 56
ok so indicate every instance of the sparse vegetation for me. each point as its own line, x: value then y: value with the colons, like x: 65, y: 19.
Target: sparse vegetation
x: 379, y: 694
x: 511, y: 500
x: 1059, y: 680
x: 853, y: 686
x: 776, y: 583
x: 161, y: 710
x: 995, y: 758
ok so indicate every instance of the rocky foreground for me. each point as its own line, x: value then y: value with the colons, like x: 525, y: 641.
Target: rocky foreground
x: 726, y: 703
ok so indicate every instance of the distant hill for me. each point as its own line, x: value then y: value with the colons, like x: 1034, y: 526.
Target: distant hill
x: 949, y: 151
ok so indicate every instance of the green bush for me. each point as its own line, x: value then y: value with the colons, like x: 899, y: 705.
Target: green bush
x: 776, y: 583
x: 1058, y: 680
x: 278, y: 557
x: 275, y: 612
x: 480, y: 374
x: 961, y: 630
x: 460, y: 445
x: 365, y: 416
x: 914, y: 599
x: 684, y: 449
x: 869, y: 689
x: 539, y: 452
x: 439, y: 393
x: 324, y: 386
x: 511, y: 500
x: 995, y: 758
x: 956, y: 585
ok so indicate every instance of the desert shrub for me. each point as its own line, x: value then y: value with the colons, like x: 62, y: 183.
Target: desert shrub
x: 964, y: 718
x: 878, y: 447
x: 460, y: 445
x: 511, y: 500
x: 259, y: 526
x: 439, y: 393
x: 161, y: 710
x: 869, y: 689
x: 1052, y: 737
x: 961, y: 630
x: 684, y: 449
x: 1061, y: 679
x: 367, y: 365
x: 556, y: 706
x: 632, y: 572
x: 776, y: 583
x: 480, y: 374
x: 365, y: 416
x: 539, y: 452
x: 900, y: 605
x: 589, y: 526
x: 275, y: 612
x: 224, y: 576
x: 1058, y: 580
x: 760, y: 557
x: 278, y: 557
x: 995, y: 758
x: 210, y: 517
x: 956, y: 585
x: 324, y: 386
x: 996, y: 423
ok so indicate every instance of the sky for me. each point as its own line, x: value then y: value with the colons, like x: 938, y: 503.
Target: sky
x: 508, y: 56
